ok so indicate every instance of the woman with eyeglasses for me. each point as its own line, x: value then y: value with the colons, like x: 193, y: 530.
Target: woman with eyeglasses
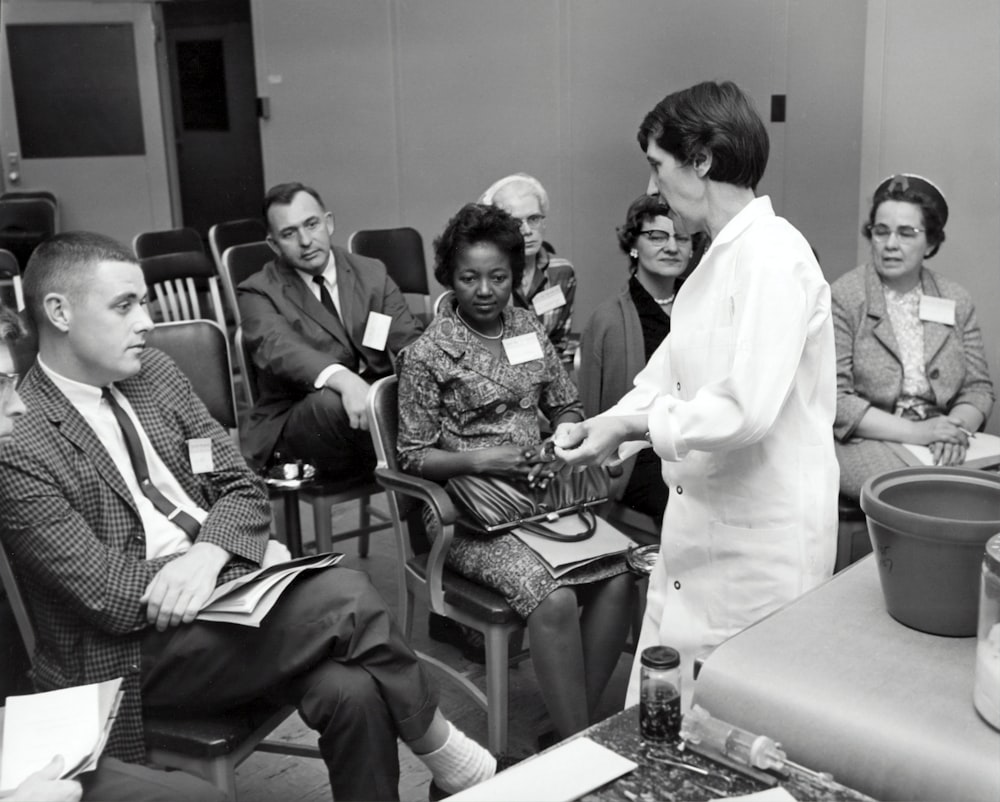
x: 625, y: 330
x: 910, y: 361
x: 548, y: 286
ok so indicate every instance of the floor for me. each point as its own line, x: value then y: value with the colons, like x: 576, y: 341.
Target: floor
x: 265, y: 777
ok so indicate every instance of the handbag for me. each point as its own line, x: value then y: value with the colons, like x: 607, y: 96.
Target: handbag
x: 494, y: 504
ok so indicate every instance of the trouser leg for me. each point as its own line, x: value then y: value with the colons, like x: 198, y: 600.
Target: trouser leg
x: 319, y: 432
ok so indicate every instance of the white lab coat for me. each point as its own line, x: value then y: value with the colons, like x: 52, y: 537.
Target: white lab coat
x: 741, y: 398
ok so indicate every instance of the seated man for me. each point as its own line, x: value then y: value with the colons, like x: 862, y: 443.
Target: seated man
x: 115, y: 571
x: 321, y: 324
x: 112, y: 780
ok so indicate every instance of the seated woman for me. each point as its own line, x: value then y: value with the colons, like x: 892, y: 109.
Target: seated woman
x: 910, y: 360
x: 548, y: 285
x: 466, y: 408
x: 625, y: 330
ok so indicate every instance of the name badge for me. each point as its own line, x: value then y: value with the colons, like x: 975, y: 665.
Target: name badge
x: 200, y: 453
x: 937, y: 310
x: 549, y: 299
x: 524, y: 348
x: 376, y: 331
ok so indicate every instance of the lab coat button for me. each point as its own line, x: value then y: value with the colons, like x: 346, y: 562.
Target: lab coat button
x: 677, y: 585
x: 680, y: 490
x: 934, y: 373
x: 678, y: 385
x: 133, y: 669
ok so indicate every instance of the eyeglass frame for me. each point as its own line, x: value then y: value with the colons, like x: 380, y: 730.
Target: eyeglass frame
x: 680, y: 239
x: 902, y: 232
x: 527, y: 221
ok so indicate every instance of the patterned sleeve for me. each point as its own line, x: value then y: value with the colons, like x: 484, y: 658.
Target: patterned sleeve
x: 419, y: 411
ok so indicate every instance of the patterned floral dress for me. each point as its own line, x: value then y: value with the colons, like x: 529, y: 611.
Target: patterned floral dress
x: 455, y: 395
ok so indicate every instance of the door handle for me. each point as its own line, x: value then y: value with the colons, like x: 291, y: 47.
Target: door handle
x: 13, y: 167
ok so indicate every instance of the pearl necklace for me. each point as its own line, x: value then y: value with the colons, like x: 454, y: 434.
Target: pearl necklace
x: 667, y: 300
x: 476, y: 331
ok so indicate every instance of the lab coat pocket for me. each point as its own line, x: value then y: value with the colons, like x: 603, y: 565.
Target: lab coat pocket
x: 755, y: 571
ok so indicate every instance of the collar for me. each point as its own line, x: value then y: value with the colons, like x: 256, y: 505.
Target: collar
x: 875, y: 294
x: 452, y: 336
x: 80, y: 395
x: 757, y: 209
x: 329, y: 273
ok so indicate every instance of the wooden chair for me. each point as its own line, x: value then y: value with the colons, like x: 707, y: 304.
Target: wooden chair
x: 173, y: 240
x: 421, y: 568
x: 180, y: 282
x: 10, y: 273
x: 239, y: 262
x: 208, y: 746
x: 24, y: 223
x: 321, y: 494
x: 401, y: 250
x: 234, y: 232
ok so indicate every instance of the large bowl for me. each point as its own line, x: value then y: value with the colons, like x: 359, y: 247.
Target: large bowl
x: 929, y: 528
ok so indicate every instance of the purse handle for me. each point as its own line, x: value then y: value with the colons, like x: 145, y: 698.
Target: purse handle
x: 542, y: 530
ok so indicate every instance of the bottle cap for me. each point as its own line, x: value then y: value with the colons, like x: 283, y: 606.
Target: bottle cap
x: 660, y: 657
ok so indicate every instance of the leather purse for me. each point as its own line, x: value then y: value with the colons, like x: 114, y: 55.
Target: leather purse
x: 493, y: 504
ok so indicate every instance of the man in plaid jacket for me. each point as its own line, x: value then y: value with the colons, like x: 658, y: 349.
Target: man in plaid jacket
x: 114, y: 584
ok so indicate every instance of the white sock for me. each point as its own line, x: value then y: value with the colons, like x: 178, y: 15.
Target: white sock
x: 460, y: 763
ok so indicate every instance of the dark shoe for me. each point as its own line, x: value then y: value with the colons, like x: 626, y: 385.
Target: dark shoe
x: 469, y: 641
x: 547, y: 739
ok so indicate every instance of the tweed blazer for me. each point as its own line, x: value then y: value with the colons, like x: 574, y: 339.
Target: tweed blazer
x: 611, y: 355
x: 869, y: 364
x: 76, y: 540
x: 293, y: 338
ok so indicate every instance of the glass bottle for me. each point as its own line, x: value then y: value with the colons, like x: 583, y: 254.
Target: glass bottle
x: 986, y: 691
x: 660, y: 694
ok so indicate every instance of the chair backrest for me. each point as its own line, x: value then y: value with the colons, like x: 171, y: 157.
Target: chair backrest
x: 24, y: 223
x: 201, y: 350
x: 239, y: 262
x: 383, y: 408
x: 10, y: 271
x: 234, y: 232
x: 177, y: 281
x: 401, y: 250
x: 247, y: 368
x: 30, y: 194
x: 173, y: 240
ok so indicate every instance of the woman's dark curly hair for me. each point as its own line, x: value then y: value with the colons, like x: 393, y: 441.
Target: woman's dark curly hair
x: 476, y: 223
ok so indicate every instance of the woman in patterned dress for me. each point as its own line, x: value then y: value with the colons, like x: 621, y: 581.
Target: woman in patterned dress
x: 910, y: 361
x: 469, y: 405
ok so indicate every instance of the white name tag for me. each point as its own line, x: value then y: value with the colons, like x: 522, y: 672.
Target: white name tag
x: 549, y: 299
x: 524, y: 348
x: 937, y: 310
x: 200, y: 452
x: 376, y: 331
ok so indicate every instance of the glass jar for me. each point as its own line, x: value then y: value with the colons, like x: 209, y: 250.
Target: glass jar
x: 660, y: 694
x: 986, y: 692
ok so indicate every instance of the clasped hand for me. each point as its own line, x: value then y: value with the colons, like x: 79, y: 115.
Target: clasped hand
x: 946, y: 438
x: 535, y: 465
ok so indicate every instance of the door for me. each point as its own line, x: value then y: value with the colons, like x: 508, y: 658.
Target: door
x: 80, y: 112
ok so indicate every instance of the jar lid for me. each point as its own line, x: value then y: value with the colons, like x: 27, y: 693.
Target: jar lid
x: 992, y: 557
x: 660, y: 657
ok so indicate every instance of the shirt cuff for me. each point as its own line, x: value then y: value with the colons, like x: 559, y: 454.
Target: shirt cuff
x: 326, y: 373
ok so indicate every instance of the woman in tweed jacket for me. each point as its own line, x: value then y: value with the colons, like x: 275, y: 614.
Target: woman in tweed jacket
x: 910, y: 360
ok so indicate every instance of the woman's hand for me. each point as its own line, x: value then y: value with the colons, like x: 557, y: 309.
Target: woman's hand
x: 940, y: 429
x: 593, y: 441
x: 948, y: 453
x: 518, y: 462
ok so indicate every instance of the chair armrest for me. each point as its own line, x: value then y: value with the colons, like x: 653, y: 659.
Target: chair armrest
x: 441, y: 504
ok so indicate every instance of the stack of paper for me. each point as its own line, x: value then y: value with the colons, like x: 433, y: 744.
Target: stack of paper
x: 561, y: 557
x: 247, y: 600
x: 72, y: 722
x: 984, y: 452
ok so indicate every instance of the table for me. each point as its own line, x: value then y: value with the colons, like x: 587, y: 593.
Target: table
x: 847, y: 689
x: 653, y: 781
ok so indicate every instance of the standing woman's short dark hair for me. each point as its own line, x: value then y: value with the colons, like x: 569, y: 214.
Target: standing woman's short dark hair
x: 718, y: 117
x: 919, y: 191
x: 476, y: 223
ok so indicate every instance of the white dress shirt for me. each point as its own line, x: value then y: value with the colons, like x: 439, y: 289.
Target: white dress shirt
x: 330, y: 280
x: 163, y: 536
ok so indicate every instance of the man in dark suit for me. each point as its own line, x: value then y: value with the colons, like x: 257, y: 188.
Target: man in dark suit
x: 321, y: 324
x: 116, y: 570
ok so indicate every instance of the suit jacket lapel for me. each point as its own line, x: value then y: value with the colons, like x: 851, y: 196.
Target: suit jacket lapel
x: 77, y: 431
x: 882, y: 327
x: 935, y: 334
x: 296, y: 291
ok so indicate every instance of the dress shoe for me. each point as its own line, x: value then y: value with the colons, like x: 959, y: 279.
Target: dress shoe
x: 470, y: 642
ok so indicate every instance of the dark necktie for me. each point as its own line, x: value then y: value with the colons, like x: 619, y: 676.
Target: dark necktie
x: 134, y: 446
x: 327, y: 300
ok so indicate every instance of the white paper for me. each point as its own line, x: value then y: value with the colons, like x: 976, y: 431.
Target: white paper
x: 937, y: 310
x: 68, y: 722
x: 774, y: 794
x: 561, y: 774
x: 376, y: 331
x: 523, y: 348
x: 549, y: 299
x: 984, y: 450
x: 558, y: 554
x: 225, y: 611
x: 200, y: 453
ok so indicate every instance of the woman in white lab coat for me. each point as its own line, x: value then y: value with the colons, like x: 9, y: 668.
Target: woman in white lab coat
x: 739, y: 400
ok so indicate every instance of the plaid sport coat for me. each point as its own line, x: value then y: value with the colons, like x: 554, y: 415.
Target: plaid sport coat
x: 76, y: 540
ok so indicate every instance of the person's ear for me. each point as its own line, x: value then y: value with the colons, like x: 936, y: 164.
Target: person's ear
x: 57, y: 311
x: 330, y: 226
x: 272, y: 245
x: 702, y: 162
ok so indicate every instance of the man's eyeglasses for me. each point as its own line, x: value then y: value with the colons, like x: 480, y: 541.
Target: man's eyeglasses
x: 883, y: 232
x: 8, y: 384
x: 532, y: 221
x: 658, y: 237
